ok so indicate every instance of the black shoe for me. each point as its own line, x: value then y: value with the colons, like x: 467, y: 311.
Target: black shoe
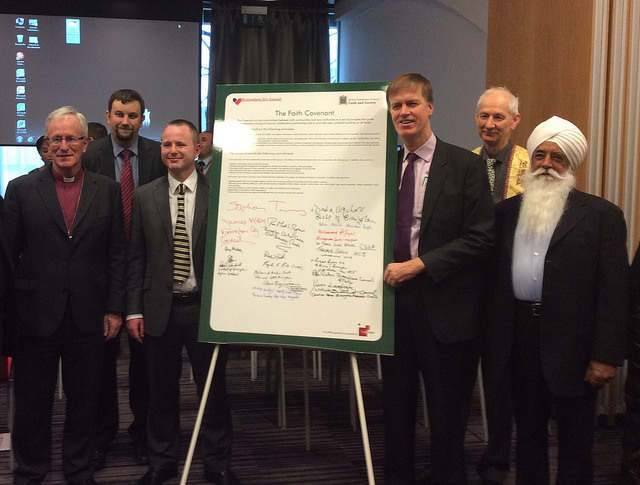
x: 153, y: 477
x: 98, y: 458
x: 221, y: 478
x: 140, y: 454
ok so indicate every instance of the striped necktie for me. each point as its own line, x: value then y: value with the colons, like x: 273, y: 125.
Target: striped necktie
x: 181, y: 259
x: 126, y: 190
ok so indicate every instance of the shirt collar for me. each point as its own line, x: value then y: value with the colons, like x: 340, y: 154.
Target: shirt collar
x: 117, y: 148
x: 190, y: 183
x: 502, y: 156
x: 425, y: 151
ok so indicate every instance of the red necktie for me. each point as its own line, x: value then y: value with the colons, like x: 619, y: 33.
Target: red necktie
x: 404, y: 214
x: 126, y: 189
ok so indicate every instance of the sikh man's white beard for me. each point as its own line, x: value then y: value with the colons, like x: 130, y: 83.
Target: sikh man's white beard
x: 543, y: 201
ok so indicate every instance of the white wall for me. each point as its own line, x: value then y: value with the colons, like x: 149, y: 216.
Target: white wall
x: 445, y: 40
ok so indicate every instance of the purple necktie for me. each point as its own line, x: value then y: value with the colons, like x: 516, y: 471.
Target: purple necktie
x: 404, y: 215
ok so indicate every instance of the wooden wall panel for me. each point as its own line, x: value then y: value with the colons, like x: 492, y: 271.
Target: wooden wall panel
x: 542, y: 51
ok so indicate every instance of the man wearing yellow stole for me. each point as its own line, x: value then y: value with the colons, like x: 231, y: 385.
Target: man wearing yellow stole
x: 497, y: 116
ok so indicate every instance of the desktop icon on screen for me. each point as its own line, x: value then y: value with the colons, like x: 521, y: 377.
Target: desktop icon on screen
x: 20, y: 38
x: 21, y: 107
x: 33, y: 23
x: 20, y: 21
x: 20, y: 72
x: 21, y: 90
x: 19, y: 56
x: 33, y: 39
x: 21, y: 124
x: 73, y: 31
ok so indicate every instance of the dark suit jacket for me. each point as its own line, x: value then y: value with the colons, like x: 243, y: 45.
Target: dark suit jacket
x: 7, y: 298
x: 99, y: 158
x: 635, y: 285
x: 585, y: 309
x: 456, y: 234
x: 150, y: 276
x: 52, y: 269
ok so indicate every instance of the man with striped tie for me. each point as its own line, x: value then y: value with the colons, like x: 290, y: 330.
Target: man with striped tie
x: 166, y: 260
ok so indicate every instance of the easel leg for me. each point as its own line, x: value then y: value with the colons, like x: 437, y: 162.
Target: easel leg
x: 363, y: 419
x: 203, y: 405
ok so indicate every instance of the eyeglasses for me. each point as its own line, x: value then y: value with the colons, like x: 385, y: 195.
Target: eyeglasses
x: 71, y: 140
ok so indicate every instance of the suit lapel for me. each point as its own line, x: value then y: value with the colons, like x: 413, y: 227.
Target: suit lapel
x: 107, y: 158
x: 87, y: 195
x: 438, y: 174
x: 574, y: 212
x: 47, y: 190
x: 200, y: 213
x: 511, y: 223
x: 161, y: 202
x: 143, y: 167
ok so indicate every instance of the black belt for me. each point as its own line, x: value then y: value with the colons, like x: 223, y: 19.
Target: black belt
x: 185, y: 298
x: 533, y: 308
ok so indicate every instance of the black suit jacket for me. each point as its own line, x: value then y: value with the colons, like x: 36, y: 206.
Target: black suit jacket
x: 99, y: 158
x: 150, y: 275
x: 7, y: 298
x: 52, y: 269
x: 585, y: 310
x: 456, y: 235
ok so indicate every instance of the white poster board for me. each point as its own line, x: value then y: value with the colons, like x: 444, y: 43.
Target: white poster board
x: 297, y: 244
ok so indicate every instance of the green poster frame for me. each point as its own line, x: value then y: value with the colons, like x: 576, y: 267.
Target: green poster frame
x: 383, y: 345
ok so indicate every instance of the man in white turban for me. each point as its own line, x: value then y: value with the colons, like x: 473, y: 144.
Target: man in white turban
x: 558, y: 320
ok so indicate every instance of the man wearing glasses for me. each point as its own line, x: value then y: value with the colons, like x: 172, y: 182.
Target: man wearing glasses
x: 64, y: 228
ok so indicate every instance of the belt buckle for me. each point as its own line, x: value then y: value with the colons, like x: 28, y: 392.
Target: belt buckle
x: 536, y: 309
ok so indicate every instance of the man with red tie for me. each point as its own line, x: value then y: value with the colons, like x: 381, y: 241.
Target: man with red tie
x: 131, y: 160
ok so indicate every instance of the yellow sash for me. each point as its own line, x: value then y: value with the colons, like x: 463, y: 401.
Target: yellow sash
x: 518, y: 165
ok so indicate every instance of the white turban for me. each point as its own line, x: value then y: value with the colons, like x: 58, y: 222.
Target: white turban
x: 563, y: 133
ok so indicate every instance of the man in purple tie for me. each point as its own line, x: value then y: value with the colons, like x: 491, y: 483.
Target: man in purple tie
x: 444, y: 232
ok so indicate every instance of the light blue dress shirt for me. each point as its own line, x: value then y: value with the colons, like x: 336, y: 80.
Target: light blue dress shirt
x: 527, y: 268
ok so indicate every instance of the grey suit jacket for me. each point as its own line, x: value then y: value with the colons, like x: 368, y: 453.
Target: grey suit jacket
x: 585, y: 309
x: 99, y: 158
x: 53, y: 269
x: 150, y: 274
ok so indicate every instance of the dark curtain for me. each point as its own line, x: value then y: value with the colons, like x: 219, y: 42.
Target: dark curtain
x: 292, y: 47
